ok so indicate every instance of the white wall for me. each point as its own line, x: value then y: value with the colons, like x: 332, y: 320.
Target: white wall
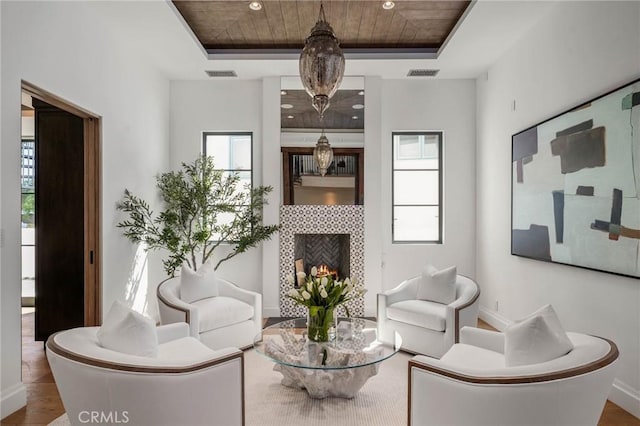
x: 19, y: 397
x: 271, y: 166
x: 65, y: 48
x: 229, y: 105
x: 221, y: 106
x: 578, y: 51
x: 449, y: 106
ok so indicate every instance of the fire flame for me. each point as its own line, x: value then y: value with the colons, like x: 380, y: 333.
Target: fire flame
x: 323, y: 271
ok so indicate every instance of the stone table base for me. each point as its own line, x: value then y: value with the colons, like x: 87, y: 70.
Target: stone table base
x: 325, y: 383
x: 339, y: 368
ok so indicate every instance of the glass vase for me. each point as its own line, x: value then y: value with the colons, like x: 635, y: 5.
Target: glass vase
x: 320, y: 324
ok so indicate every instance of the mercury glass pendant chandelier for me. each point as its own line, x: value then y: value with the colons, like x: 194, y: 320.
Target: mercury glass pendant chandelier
x: 323, y: 154
x: 321, y: 71
x: 321, y: 64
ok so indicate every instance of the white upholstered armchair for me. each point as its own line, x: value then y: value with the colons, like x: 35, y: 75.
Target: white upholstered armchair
x: 426, y: 327
x: 470, y: 384
x: 186, y: 383
x: 232, y: 318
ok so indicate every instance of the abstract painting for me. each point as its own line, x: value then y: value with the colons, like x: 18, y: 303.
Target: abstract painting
x: 575, y: 186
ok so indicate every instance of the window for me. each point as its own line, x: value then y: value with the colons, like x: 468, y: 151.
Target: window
x: 417, y: 187
x: 232, y: 153
x: 28, y: 184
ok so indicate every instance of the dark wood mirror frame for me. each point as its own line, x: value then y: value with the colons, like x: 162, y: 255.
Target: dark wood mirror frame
x: 287, y: 170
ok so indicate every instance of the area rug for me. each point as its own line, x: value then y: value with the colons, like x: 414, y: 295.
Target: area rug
x: 382, y: 401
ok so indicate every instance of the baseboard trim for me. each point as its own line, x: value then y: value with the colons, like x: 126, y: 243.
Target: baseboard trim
x: 13, y: 399
x: 493, y: 318
x: 625, y: 397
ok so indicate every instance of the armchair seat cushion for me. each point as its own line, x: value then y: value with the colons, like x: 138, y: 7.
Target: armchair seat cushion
x: 421, y: 313
x: 186, y: 350
x: 218, y: 312
x: 473, y: 357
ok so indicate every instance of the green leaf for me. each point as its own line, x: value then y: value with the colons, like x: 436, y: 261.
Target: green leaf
x: 193, y: 198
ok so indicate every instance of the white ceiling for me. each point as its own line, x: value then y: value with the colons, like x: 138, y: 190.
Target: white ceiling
x: 157, y: 31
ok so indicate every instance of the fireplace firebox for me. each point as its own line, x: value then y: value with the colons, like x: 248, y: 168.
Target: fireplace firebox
x: 327, y: 252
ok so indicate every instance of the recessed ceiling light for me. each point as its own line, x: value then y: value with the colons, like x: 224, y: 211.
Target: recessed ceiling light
x: 361, y: 93
x: 286, y: 106
x: 358, y: 106
x: 255, y: 5
x: 387, y: 5
x: 283, y: 92
x: 355, y: 117
x: 289, y: 116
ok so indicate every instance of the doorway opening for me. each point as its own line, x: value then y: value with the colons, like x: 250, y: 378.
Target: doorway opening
x: 27, y: 195
x: 60, y: 213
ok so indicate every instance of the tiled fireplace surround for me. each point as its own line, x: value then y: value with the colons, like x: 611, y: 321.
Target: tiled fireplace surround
x: 320, y: 220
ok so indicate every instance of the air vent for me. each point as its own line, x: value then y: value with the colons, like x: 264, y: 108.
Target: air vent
x: 229, y: 73
x: 422, y: 73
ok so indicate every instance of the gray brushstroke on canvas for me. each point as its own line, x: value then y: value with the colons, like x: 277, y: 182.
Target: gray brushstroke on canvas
x: 558, y: 214
x: 524, y: 146
x: 532, y: 242
x: 580, y: 150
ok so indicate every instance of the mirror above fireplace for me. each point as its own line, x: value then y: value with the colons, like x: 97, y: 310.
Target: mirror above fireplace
x: 303, y: 185
x: 301, y: 127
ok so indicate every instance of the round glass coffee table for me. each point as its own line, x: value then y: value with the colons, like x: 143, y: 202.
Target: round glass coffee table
x: 337, y: 368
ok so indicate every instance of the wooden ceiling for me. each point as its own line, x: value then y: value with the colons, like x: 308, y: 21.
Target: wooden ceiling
x: 284, y: 24
x: 340, y: 114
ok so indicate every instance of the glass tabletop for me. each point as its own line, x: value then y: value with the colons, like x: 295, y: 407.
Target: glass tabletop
x: 355, y: 345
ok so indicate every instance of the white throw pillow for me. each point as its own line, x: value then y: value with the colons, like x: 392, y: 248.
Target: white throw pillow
x: 197, y: 285
x: 127, y: 331
x: 438, y: 286
x: 537, y: 338
x: 116, y: 313
x: 549, y: 314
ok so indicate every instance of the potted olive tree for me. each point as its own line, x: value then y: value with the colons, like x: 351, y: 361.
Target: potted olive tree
x: 204, y: 207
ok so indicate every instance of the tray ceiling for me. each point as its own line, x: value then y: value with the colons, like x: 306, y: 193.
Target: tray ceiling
x: 284, y: 24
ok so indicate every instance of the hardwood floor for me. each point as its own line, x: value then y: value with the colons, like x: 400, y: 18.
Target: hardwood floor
x: 44, y: 404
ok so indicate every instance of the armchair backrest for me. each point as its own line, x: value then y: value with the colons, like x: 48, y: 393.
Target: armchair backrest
x: 465, y: 287
x: 412, y: 286
x: 170, y: 288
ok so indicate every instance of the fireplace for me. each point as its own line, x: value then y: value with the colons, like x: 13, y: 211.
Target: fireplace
x: 328, y: 252
x: 321, y: 235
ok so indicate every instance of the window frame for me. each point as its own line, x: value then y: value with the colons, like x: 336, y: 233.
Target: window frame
x: 440, y: 135
x: 204, y: 152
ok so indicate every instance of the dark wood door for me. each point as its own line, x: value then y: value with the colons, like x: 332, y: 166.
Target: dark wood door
x: 59, y: 220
